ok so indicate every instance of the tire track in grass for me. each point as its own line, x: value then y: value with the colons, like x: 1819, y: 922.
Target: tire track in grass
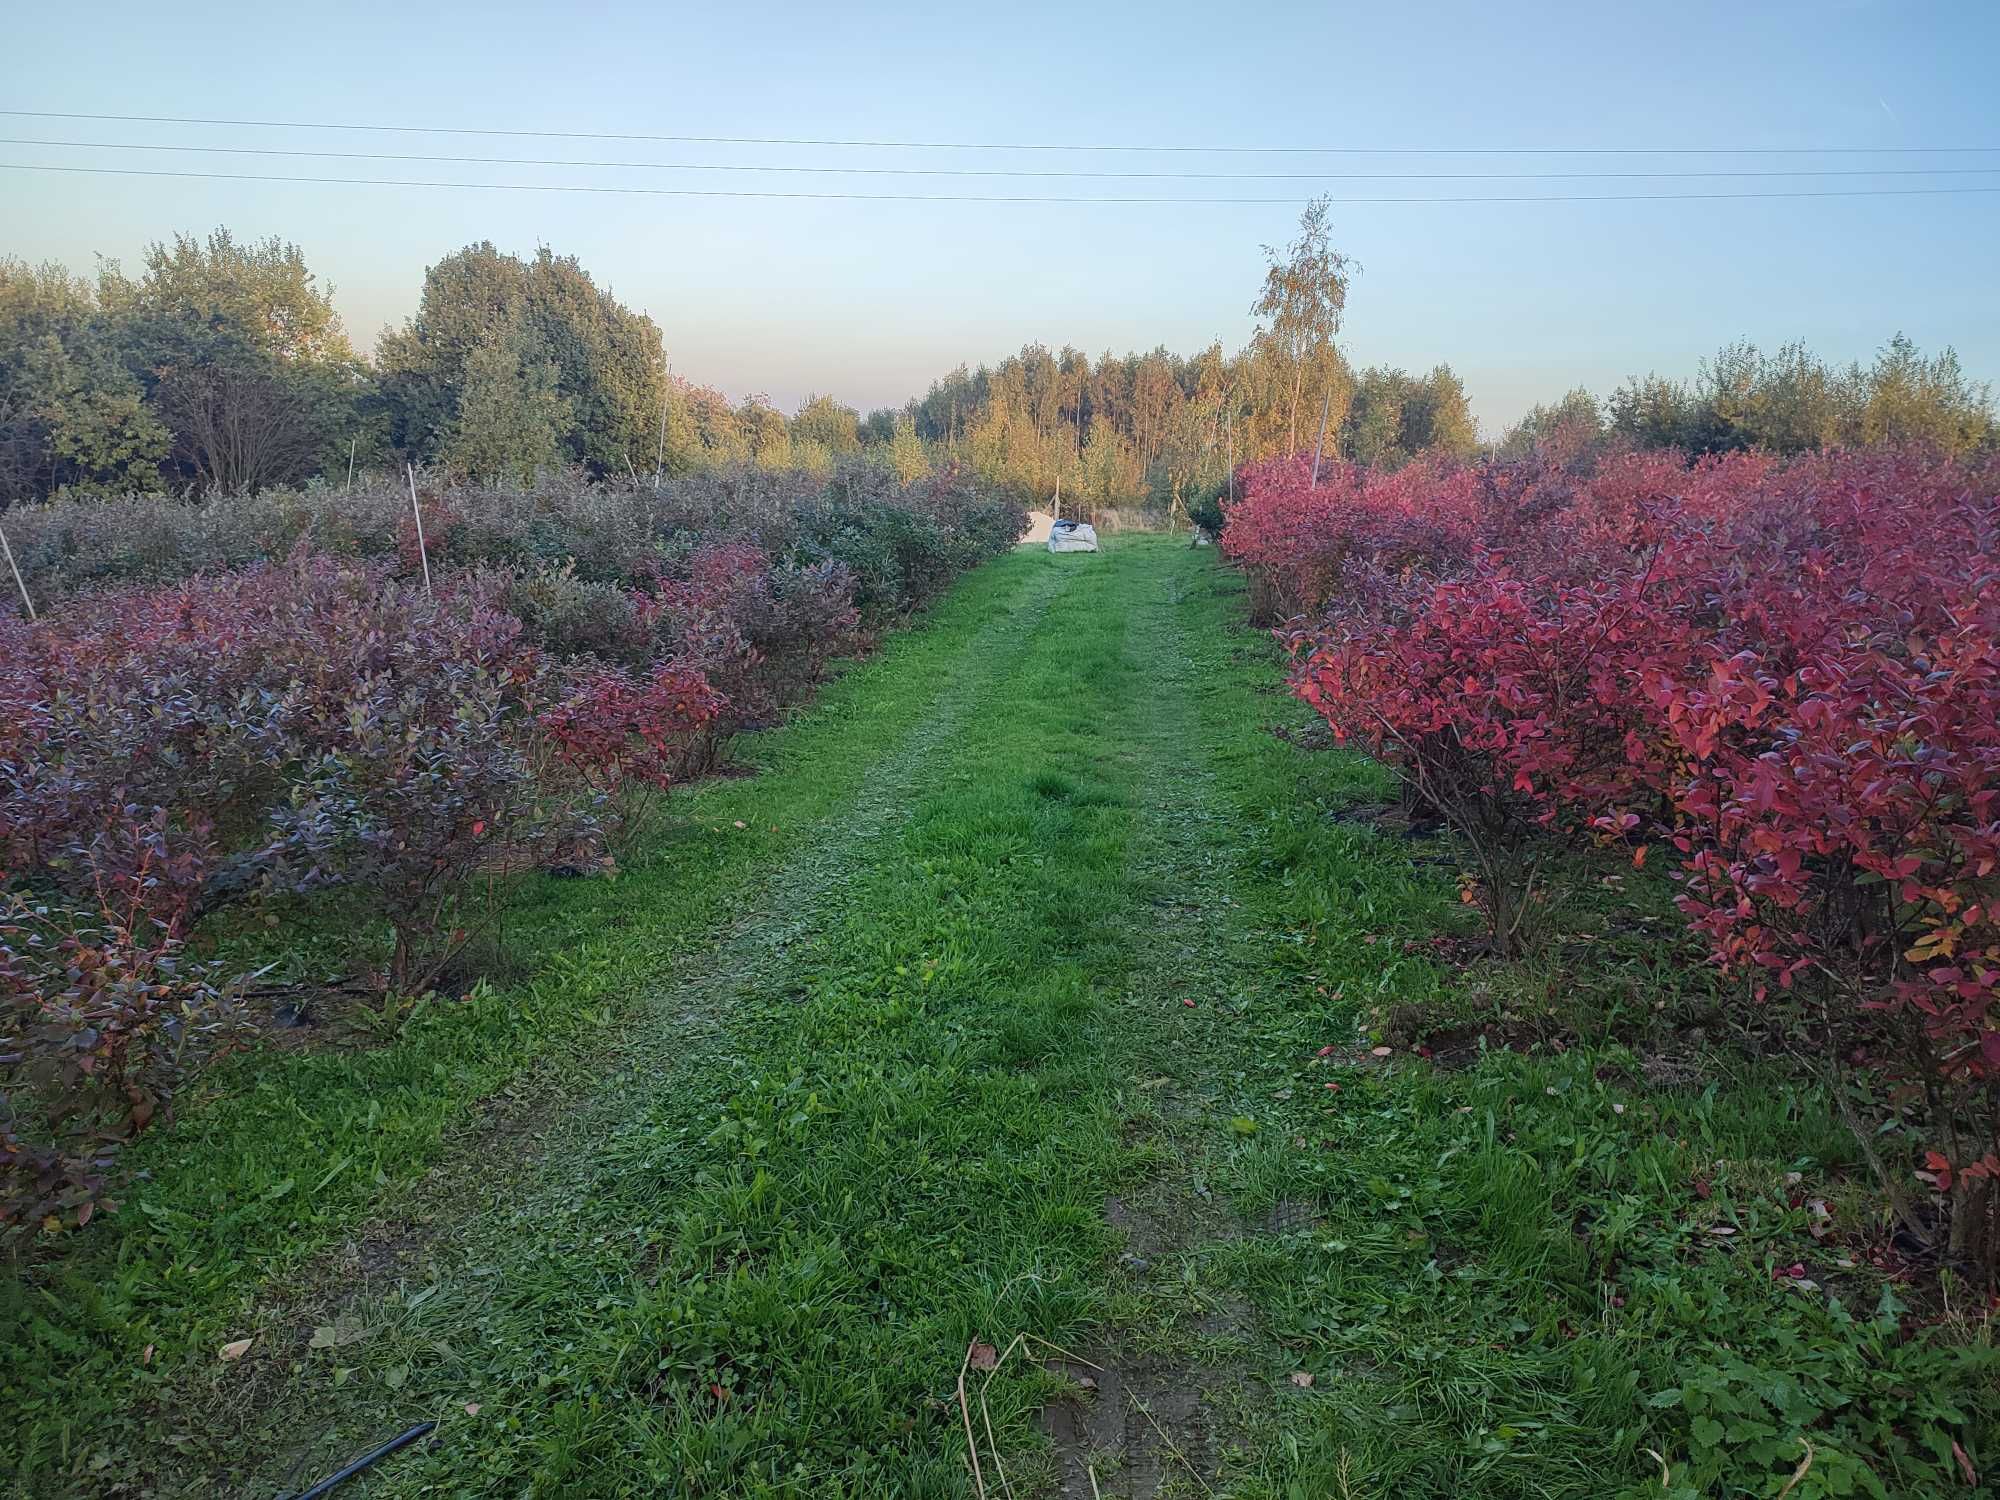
x: 898, y: 1043
x: 526, y: 1149
x: 1172, y: 1370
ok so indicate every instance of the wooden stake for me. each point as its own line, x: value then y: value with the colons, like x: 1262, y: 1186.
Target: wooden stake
x: 15, y: 568
x: 423, y: 552
x: 1325, y: 410
x: 1058, y: 515
x: 660, y: 461
x: 350, y: 463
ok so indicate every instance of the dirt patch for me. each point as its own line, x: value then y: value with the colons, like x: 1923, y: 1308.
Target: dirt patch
x: 1290, y: 1216
x: 1314, y: 735
x: 1136, y: 1429
x: 1392, y: 820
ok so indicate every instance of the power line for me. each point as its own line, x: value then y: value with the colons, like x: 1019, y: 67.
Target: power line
x: 657, y: 192
x: 1013, y: 172
x: 891, y: 145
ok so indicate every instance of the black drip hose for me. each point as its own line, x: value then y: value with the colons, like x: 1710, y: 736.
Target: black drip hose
x: 333, y: 1481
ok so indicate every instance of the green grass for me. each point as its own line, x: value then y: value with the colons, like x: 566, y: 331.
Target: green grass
x: 1505, y: 1281
x: 1003, y: 1013
x: 277, y: 1156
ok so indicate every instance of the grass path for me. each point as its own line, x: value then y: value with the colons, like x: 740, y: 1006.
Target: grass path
x: 1026, y: 991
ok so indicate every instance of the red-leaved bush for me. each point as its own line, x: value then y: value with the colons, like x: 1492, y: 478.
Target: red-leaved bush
x: 322, y: 718
x: 101, y: 1016
x: 625, y: 737
x: 1787, y: 674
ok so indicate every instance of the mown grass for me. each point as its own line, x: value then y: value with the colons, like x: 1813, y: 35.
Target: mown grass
x: 761, y: 1277
x: 1530, y: 1276
x: 1112, y: 938
x: 279, y: 1154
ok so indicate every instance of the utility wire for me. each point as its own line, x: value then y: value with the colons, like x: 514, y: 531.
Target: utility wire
x: 888, y: 145
x: 1015, y: 172
x: 657, y: 192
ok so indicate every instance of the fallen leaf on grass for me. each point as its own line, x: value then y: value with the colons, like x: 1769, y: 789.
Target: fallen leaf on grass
x: 1382, y: 1052
x: 237, y: 1349
x: 1965, y: 1465
x: 1302, y: 1378
x: 472, y: 1408
x: 147, y: 1357
x: 1188, y: 1003
x: 1722, y: 1229
x: 983, y: 1356
x: 333, y: 1335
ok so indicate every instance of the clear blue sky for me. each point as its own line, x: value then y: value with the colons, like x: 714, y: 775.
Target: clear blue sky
x: 869, y: 300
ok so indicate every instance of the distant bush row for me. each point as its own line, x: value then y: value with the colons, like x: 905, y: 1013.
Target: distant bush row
x: 263, y: 698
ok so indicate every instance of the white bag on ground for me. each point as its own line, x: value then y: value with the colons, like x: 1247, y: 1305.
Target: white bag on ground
x: 1072, y: 536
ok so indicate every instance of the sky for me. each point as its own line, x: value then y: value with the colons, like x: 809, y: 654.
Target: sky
x: 870, y: 300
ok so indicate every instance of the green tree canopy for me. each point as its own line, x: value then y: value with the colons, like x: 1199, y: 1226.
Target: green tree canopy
x: 241, y: 355
x: 608, y: 361
x: 71, y: 414
x: 824, y: 421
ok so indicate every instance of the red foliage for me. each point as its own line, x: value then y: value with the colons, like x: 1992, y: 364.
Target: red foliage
x: 615, y: 728
x: 1789, y: 672
x: 100, y: 1018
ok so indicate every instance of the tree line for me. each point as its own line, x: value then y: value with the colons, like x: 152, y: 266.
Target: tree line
x: 1788, y: 402
x: 221, y: 366
x: 1166, y: 429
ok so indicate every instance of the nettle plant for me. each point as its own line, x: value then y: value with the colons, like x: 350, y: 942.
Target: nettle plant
x: 1787, y: 675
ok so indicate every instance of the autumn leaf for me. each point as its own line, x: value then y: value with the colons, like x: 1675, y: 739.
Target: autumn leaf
x: 982, y: 1355
x: 1965, y: 1465
x: 231, y: 1352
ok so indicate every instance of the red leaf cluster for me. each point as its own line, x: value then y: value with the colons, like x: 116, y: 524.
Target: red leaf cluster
x: 1787, y: 673
x: 616, y: 727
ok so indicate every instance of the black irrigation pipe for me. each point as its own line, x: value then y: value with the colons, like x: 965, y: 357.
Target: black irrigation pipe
x: 333, y: 1481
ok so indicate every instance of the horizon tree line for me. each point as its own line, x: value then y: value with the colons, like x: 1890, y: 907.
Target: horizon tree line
x: 222, y: 366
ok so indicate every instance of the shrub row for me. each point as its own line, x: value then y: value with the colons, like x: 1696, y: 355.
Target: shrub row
x: 276, y: 704
x: 1787, y: 674
x: 902, y: 543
